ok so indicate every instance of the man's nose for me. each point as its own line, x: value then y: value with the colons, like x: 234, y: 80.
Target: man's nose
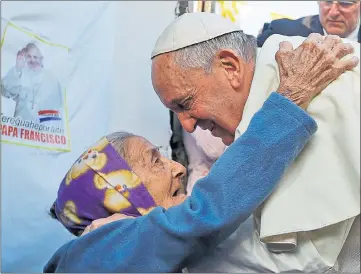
x: 333, y: 12
x: 188, y: 122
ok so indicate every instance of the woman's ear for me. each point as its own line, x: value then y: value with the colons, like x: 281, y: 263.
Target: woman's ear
x: 232, y: 65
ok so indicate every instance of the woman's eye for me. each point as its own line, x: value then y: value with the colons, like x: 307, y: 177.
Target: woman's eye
x: 186, y: 107
x: 186, y: 104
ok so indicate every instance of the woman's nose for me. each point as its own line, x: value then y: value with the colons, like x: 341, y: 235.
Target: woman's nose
x: 178, y: 170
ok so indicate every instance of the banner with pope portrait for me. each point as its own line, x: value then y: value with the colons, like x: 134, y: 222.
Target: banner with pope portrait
x: 33, y: 93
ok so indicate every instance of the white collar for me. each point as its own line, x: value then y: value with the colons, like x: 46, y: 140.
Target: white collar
x: 353, y: 35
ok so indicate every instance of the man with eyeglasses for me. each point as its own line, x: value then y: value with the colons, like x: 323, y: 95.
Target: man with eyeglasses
x: 340, y: 18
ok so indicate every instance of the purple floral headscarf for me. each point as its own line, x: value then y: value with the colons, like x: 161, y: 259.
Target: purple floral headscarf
x: 99, y: 184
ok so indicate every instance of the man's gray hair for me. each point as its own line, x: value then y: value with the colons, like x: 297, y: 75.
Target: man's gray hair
x: 201, y: 55
x: 119, y: 141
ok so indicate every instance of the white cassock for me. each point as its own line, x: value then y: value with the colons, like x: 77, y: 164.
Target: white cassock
x: 32, y: 92
x: 306, y: 222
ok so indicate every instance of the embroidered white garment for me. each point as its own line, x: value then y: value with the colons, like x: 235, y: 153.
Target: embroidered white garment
x: 317, y: 201
x: 322, y: 187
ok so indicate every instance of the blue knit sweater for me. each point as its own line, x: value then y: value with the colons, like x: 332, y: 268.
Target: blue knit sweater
x: 168, y: 240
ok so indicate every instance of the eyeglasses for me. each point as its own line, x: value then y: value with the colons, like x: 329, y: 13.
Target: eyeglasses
x: 342, y: 4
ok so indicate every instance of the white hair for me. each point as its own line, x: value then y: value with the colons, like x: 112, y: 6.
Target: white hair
x: 119, y: 141
x: 201, y: 55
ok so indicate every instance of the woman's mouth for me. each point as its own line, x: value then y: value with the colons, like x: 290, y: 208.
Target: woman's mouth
x: 212, y: 127
x: 176, y: 193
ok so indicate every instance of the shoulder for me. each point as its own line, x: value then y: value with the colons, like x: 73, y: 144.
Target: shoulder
x: 271, y: 45
x: 299, y: 27
x: 291, y: 27
x: 57, y: 261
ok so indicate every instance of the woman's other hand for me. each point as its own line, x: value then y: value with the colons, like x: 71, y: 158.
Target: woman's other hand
x: 103, y: 221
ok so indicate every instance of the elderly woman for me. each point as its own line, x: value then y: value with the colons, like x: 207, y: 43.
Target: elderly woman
x: 101, y: 182
x: 126, y: 174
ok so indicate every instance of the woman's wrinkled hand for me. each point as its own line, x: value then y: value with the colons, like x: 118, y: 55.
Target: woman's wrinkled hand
x: 310, y: 68
x: 103, y: 221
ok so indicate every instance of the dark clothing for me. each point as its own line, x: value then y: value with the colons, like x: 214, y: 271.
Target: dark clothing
x: 303, y: 26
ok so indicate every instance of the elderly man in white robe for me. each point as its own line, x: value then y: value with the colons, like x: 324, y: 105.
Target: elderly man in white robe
x: 31, y: 86
x: 205, y: 69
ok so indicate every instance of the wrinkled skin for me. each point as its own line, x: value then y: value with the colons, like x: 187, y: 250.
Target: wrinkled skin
x: 304, y: 73
x: 309, y: 69
x: 215, y: 101
x: 160, y: 175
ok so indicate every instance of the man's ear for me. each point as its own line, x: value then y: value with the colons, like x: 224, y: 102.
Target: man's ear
x: 232, y: 65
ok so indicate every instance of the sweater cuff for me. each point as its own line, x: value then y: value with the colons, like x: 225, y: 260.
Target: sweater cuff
x: 295, y: 111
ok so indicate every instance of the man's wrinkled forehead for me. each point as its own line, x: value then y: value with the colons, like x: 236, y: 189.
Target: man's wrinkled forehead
x: 168, y: 79
x: 163, y: 65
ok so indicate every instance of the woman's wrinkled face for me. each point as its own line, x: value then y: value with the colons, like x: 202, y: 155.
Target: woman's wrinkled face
x: 161, y: 176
